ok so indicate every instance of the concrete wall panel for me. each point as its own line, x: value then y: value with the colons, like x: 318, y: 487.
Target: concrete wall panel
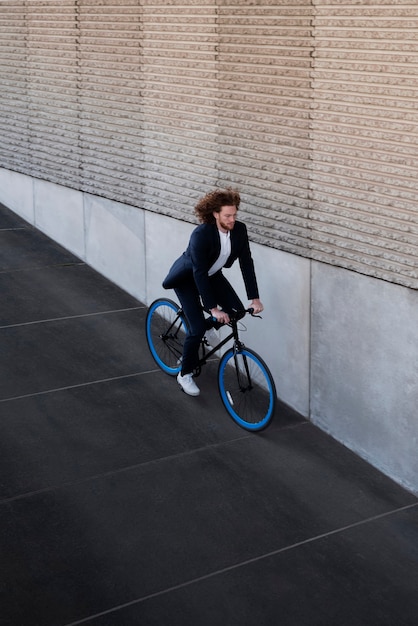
x: 16, y: 192
x: 166, y: 239
x: 364, y: 368
x: 59, y: 214
x: 115, y: 243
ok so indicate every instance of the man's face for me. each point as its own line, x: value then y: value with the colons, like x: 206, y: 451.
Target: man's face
x: 225, y: 219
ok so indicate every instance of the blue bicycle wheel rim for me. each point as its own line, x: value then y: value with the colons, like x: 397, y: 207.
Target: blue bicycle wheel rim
x: 265, y: 420
x: 151, y: 311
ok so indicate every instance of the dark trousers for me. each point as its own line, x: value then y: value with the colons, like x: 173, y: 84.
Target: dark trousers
x: 189, y: 298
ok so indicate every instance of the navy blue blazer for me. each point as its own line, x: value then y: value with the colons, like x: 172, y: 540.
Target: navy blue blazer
x: 202, y: 252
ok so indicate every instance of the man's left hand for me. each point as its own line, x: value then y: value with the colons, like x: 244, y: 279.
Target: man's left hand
x: 257, y: 305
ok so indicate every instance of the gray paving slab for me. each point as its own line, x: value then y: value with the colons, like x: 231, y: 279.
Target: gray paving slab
x: 9, y: 220
x: 362, y: 576
x: 59, y: 291
x: 124, y: 502
x: 90, y: 429
x: 165, y: 523
x: 25, y: 248
x: 65, y: 352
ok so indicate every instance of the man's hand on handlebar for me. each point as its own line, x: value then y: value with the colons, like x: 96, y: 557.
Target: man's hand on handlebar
x: 257, y: 306
x: 220, y: 316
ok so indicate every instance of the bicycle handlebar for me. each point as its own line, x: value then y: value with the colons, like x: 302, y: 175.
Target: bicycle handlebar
x: 235, y: 316
x: 251, y: 312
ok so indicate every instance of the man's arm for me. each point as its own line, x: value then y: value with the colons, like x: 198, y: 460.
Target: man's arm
x: 247, y: 266
x: 202, y: 255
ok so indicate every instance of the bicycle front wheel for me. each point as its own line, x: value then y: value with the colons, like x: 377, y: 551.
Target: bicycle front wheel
x: 247, y: 388
x: 166, y: 329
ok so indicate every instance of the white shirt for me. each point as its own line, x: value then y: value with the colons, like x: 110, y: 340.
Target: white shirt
x: 224, y: 254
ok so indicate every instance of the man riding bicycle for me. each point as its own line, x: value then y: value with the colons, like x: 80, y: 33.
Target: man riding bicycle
x: 196, y: 276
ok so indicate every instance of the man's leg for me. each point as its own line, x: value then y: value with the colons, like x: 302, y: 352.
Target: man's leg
x: 226, y: 296
x: 190, y: 301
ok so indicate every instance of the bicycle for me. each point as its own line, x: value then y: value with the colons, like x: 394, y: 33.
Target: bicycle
x: 245, y: 383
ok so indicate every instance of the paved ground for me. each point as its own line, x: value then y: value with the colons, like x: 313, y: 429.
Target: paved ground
x: 125, y: 502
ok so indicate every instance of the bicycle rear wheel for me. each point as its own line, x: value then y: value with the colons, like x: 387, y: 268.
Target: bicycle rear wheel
x: 247, y: 388
x: 166, y: 330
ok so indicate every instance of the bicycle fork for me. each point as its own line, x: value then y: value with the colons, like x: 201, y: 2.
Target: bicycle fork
x: 241, y: 367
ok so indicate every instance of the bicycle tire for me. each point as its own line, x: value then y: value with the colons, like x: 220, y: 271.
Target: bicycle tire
x: 247, y: 388
x: 166, y: 330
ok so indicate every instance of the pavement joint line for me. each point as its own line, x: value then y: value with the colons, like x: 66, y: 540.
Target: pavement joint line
x: 236, y: 566
x: 128, y: 468
x: 86, y: 384
x: 32, y: 268
x: 121, y: 470
x: 71, y: 317
x: 13, y: 228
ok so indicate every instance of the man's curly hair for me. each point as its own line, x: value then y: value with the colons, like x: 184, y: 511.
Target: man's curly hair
x: 214, y: 201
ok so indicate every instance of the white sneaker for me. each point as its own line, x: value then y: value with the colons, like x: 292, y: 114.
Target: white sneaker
x: 188, y: 385
x: 212, y: 338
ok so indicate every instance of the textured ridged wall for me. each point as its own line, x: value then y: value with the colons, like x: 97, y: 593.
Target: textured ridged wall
x: 365, y: 137
x: 309, y: 107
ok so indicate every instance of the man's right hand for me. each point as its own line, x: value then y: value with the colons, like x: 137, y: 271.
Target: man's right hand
x: 220, y: 316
